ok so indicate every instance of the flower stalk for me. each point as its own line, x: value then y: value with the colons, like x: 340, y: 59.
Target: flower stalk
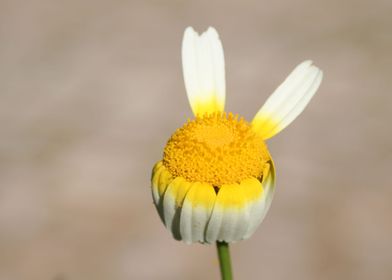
x: 224, y: 260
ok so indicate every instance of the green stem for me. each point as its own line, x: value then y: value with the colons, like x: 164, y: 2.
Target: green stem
x: 224, y: 260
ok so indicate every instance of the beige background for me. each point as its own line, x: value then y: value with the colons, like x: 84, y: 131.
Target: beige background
x: 91, y: 90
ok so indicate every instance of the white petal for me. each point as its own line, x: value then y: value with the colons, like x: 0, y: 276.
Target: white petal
x: 172, y: 203
x: 196, y: 212
x: 204, y: 71
x: 261, y: 206
x: 156, y: 174
x: 160, y: 180
x: 288, y: 100
x: 230, y: 217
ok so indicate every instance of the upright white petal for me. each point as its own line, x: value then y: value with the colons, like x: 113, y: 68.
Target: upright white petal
x: 204, y: 71
x: 288, y: 100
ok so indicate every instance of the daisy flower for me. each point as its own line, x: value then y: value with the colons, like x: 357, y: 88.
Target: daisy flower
x: 216, y: 179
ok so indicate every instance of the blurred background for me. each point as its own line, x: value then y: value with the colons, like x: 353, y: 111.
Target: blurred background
x: 90, y: 91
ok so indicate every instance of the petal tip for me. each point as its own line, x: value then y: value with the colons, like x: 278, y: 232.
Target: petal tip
x: 189, y: 30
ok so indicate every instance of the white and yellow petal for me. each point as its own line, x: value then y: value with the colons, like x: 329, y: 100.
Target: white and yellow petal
x: 288, y: 100
x: 172, y: 204
x: 204, y: 71
x: 158, y: 188
x: 260, y: 204
x: 184, y: 207
x: 196, y: 212
x: 230, y: 216
x: 240, y: 208
x: 160, y: 180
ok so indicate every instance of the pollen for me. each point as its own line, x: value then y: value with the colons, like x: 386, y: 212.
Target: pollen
x: 217, y: 149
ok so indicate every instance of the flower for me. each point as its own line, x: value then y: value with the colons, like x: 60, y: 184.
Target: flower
x: 216, y: 179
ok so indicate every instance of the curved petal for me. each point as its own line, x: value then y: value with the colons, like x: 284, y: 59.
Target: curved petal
x: 230, y: 217
x: 240, y: 208
x: 156, y: 173
x: 172, y: 204
x: 204, y: 71
x: 196, y: 212
x: 260, y: 205
x: 160, y: 180
x: 288, y: 100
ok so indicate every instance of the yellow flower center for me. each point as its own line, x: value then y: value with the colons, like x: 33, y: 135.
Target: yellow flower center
x: 216, y: 149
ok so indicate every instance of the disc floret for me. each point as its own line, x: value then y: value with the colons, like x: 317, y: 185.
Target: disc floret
x: 216, y: 148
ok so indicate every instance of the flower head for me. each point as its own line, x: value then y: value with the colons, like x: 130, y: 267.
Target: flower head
x: 216, y: 179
